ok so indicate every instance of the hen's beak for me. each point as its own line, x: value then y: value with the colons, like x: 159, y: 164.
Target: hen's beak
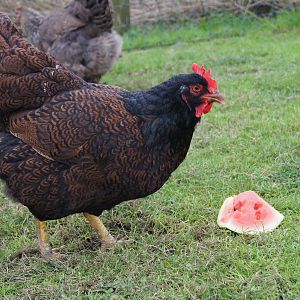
x: 215, y: 97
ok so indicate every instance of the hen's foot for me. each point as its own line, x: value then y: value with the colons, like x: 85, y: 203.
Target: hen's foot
x: 52, y: 254
x: 44, y: 247
x: 110, y: 242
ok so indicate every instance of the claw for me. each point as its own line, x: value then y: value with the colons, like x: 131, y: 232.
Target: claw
x: 111, y: 243
x: 53, y: 256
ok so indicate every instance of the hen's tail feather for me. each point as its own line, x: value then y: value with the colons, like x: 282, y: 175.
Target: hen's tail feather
x: 28, y: 76
x: 93, y: 12
x: 102, y: 13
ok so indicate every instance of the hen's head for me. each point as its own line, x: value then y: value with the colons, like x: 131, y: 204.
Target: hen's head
x: 200, y: 92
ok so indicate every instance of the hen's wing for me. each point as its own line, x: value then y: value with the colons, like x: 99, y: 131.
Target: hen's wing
x: 68, y: 124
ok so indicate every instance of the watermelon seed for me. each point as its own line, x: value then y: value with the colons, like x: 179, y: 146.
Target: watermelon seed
x: 258, y: 215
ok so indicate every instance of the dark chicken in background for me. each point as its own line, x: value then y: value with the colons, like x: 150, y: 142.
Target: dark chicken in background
x: 68, y: 146
x: 79, y: 36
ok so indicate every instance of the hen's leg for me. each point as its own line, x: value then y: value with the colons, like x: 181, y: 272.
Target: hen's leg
x: 107, y: 240
x: 44, y: 246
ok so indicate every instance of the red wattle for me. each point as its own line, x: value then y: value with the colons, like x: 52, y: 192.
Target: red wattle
x: 207, y: 108
x: 203, y: 108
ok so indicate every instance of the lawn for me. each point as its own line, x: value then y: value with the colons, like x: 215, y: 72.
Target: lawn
x: 175, y: 249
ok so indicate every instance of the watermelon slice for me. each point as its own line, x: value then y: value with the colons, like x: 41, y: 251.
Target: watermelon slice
x: 248, y: 213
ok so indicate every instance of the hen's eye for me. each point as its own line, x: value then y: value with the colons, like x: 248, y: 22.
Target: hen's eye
x: 196, y: 88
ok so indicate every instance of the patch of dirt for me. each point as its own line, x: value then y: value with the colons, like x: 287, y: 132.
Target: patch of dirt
x: 26, y: 253
x: 116, y: 224
x: 93, y: 287
x: 91, y: 243
x: 200, y: 233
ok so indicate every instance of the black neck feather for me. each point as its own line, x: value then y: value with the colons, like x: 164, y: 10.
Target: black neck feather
x: 166, y: 117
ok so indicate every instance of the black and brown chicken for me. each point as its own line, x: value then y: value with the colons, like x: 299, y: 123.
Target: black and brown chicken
x: 79, y: 36
x: 68, y: 146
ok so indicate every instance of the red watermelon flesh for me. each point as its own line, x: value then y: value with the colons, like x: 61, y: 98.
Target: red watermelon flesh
x: 248, y: 213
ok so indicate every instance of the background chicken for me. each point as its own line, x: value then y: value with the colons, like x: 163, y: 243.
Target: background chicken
x: 79, y: 36
x: 69, y: 146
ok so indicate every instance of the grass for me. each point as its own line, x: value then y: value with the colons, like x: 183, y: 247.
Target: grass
x: 212, y: 26
x: 175, y: 248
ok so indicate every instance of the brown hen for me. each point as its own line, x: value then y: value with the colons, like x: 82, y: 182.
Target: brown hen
x: 68, y: 146
x: 79, y: 36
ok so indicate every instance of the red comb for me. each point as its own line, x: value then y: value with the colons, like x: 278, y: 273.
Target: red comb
x: 212, y: 84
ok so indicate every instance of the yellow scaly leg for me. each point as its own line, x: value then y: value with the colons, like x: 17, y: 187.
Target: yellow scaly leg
x: 107, y: 240
x: 44, y: 245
